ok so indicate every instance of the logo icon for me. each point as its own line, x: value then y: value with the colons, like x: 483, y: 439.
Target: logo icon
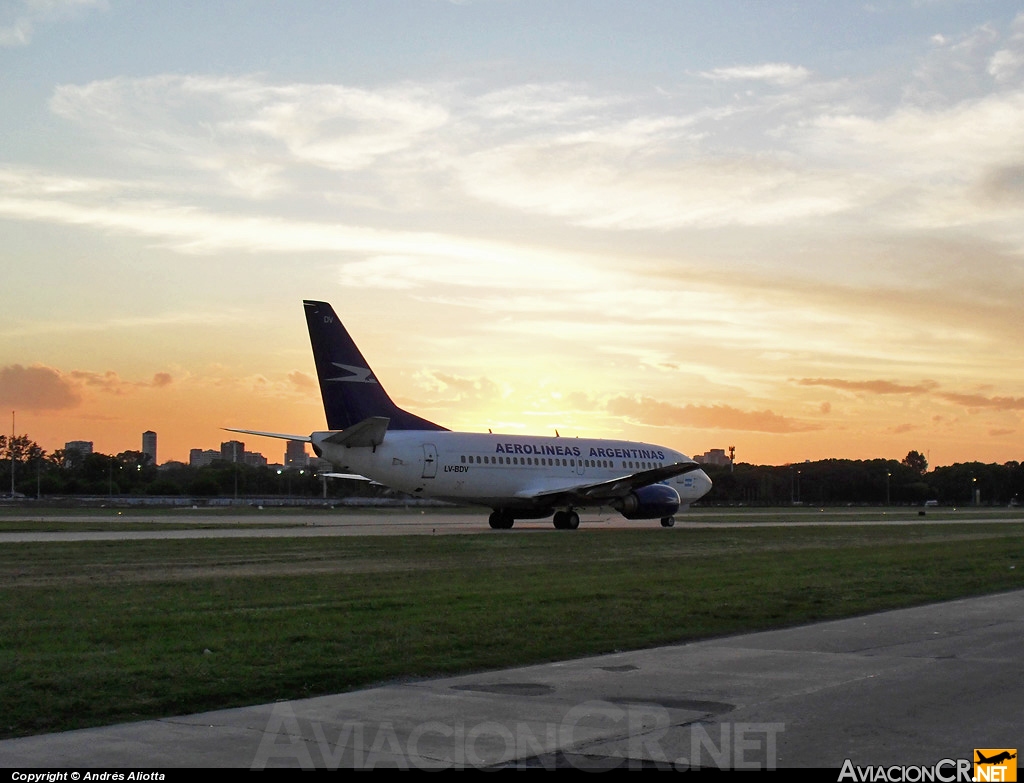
x: 995, y: 764
x: 355, y: 374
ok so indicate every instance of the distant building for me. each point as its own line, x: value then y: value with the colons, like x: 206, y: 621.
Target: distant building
x: 149, y: 445
x: 83, y: 447
x: 75, y: 451
x: 295, y: 454
x: 232, y: 451
x: 714, y: 457
x: 199, y: 458
x: 254, y: 459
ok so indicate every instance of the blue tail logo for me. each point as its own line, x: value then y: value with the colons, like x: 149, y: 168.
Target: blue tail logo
x: 355, y: 374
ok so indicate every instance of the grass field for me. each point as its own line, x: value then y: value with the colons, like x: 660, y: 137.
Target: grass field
x: 107, y: 631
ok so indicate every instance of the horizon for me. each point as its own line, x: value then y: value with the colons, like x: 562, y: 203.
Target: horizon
x: 249, y: 449
x: 796, y: 229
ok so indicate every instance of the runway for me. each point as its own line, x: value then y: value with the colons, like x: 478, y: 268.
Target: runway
x: 248, y: 523
x: 909, y: 687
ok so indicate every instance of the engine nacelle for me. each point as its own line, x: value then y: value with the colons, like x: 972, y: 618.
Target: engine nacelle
x: 655, y: 501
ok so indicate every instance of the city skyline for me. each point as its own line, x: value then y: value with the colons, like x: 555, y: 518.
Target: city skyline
x: 295, y: 453
x: 796, y: 228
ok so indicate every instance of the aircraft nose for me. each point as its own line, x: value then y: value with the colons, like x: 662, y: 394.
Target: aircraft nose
x: 703, y: 482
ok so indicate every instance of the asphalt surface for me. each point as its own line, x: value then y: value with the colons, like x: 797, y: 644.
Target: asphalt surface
x: 231, y: 523
x: 908, y: 687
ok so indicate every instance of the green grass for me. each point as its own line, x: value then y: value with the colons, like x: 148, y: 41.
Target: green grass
x: 99, y: 632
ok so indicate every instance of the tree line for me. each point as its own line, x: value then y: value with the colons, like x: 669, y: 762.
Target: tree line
x: 62, y: 473
x: 834, y: 482
x: 827, y: 482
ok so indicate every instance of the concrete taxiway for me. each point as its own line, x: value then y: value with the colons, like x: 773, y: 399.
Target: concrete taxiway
x: 908, y: 687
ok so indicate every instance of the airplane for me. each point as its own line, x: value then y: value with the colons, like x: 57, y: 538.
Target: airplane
x: 997, y: 759
x: 517, y: 476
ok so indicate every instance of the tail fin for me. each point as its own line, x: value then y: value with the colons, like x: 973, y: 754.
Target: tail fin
x: 349, y: 389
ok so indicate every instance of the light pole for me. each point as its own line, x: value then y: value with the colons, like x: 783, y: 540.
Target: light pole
x: 888, y: 474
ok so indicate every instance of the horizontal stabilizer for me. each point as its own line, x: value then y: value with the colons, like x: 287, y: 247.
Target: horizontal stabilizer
x: 281, y: 435
x: 368, y: 432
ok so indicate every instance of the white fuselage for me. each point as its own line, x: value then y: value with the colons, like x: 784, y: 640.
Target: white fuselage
x: 502, y: 471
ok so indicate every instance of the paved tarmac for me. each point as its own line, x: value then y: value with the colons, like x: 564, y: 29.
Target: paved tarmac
x: 230, y: 523
x: 907, y: 687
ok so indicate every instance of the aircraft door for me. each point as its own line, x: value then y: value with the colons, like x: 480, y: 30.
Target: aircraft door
x: 429, y: 460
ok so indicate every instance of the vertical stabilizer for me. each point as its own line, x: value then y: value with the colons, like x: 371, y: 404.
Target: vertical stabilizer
x: 350, y: 390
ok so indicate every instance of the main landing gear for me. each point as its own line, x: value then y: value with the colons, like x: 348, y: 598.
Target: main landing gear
x: 668, y: 521
x: 501, y: 520
x: 566, y: 520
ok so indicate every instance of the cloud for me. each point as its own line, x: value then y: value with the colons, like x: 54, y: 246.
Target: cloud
x: 37, y: 388
x: 590, y: 158
x: 780, y: 74
x: 29, y: 13
x: 45, y: 388
x: 1005, y: 65
x: 251, y: 135
x: 302, y: 381
x: 978, y: 401
x: 871, y: 387
x: 881, y: 387
x: 645, y: 410
x: 1003, y: 184
x: 109, y: 382
x: 460, y: 389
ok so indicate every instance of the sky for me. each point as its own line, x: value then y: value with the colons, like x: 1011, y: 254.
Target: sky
x: 795, y: 228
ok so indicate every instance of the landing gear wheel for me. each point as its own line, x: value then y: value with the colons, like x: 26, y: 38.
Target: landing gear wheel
x: 668, y: 521
x: 500, y: 520
x: 566, y: 520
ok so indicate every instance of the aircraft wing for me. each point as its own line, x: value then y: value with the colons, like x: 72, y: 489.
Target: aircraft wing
x: 584, y: 493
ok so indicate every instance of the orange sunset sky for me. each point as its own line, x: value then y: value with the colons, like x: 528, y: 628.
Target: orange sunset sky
x: 792, y: 228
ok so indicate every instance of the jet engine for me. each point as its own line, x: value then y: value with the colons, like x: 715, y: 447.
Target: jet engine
x: 655, y: 501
